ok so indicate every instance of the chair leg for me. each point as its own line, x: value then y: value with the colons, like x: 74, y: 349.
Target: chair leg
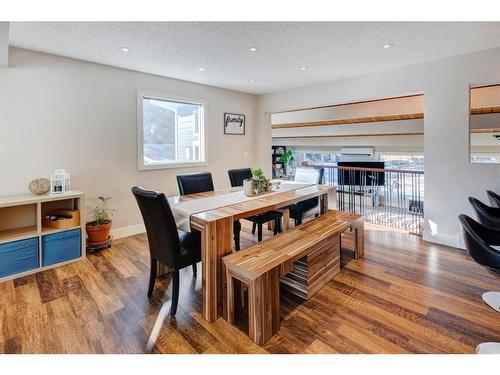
x: 259, y: 232
x: 175, y: 293
x: 254, y: 226
x: 276, y: 226
x: 195, y: 269
x: 237, y: 241
x: 152, y: 276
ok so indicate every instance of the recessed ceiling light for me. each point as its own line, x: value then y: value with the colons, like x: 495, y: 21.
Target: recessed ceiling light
x: 388, y: 45
x: 201, y: 69
x: 253, y: 49
x: 124, y: 49
x: 252, y: 81
x: 304, y: 67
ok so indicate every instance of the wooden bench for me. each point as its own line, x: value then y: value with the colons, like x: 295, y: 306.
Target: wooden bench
x: 303, y: 259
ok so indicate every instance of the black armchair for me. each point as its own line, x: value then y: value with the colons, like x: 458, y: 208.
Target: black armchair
x: 236, y: 177
x: 305, y: 208
x: 479, y: 242
x: 494, y: 198
x: 488, y: 216
x: 200, y: 182
x: 174, y: 249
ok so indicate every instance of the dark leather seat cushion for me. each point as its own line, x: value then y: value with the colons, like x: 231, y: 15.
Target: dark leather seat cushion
x: 265, y: 217
x: 296, y: 210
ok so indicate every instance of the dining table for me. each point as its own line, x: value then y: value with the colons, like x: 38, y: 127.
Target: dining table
x: 212, y: 213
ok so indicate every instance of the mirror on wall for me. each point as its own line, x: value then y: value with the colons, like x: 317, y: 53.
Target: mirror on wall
x: 484, y: 124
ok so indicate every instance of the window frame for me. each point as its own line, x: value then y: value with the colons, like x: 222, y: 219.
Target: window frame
x: 141, y: 166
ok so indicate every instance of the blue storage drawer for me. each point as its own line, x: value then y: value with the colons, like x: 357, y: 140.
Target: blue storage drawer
x: 60, y: 247
x: 18, y: 256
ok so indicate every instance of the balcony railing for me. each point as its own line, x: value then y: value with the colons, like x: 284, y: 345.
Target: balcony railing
x: 388, y: 197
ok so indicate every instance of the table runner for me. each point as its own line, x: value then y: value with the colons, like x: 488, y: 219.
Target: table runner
x: 182, y: 211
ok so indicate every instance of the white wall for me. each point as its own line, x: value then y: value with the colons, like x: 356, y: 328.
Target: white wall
x: 449, y: 177
x: 414, y: 143
x: 383, y: 127
x: 4, y: 44
x: 386, y: 107
x: 61, y: 113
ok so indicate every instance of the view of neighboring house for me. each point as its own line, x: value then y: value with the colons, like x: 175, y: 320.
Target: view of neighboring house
x: 171, y: 131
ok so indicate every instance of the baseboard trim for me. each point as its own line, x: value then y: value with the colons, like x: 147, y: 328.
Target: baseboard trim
x: 439, y: 238
x: 444, y: 239
x: 128, y: 231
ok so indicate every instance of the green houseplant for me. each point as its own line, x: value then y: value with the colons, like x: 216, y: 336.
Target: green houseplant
x: 99, y: 227
x: 286, y: 159
x: 261, y: 183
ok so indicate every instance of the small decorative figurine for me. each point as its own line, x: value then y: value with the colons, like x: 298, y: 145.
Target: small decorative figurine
x: 39, y: 186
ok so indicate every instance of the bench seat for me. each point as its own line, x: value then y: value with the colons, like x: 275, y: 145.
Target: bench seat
x: 303, y: 259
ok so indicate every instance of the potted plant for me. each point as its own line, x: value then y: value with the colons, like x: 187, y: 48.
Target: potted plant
x: 286, y: 159
x: 262, y: 184
x: 257, y: 184
x: 98, y: 229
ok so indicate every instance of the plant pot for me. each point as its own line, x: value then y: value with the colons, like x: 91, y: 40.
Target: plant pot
x: 98, y: 233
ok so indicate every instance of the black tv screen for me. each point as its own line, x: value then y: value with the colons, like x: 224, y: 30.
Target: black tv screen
x: 361, y: 178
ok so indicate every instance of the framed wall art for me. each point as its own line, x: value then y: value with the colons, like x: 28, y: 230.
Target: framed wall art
x: 234, y: 124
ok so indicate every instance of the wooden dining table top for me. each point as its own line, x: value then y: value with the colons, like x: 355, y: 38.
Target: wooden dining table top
x: 259, y: 204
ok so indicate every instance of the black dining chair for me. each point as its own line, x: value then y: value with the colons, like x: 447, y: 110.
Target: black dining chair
x: 308, y: 207
x: 236, y: 177
x: 200, y: 182
x: 172, y: 248
x: 487, y: 215
x: 494, y: 198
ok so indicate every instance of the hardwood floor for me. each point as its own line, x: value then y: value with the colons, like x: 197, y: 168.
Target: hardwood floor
x: 404, y: 296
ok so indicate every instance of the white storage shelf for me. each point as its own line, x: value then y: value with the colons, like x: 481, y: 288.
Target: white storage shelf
x: 21, y: 219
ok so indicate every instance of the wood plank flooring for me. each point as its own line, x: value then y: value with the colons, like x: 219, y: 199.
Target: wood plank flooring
x: 404, y: 296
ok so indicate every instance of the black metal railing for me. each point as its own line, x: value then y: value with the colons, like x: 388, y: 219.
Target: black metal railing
x: 388, y: 197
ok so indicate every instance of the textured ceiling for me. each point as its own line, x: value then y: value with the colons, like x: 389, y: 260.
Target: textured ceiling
x: 331, y: 50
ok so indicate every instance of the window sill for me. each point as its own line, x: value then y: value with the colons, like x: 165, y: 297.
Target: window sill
x: 172, y: 165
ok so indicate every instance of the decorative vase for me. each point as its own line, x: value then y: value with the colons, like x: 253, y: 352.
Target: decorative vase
x: 39, y: 186
x: 98, y: 233
x: 249, y: 187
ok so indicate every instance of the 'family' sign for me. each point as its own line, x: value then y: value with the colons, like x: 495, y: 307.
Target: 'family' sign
x: 234, y: 123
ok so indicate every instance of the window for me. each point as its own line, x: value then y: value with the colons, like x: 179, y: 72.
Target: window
x: 321, y: 158
x: 477, y: 157
x: 168, y: 128
x: 408, y: 161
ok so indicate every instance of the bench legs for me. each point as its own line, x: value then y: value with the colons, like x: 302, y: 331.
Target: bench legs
x: 358, y: 229
x: 263, y: 305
